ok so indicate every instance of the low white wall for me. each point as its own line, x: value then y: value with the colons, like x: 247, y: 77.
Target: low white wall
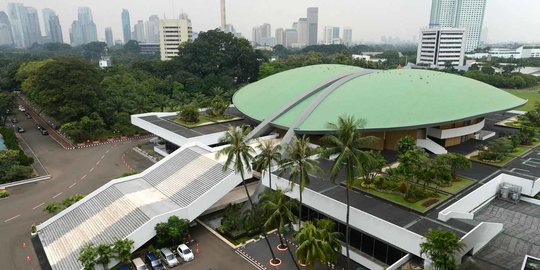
x: 478, y: 237
x: 379, y: 228
x: 528, y: 187
x: 400, y: 262
x: 456, y: 132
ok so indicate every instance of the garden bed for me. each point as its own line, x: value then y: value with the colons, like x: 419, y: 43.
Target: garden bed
x: 458, y: 185
x: 517, y: 152
x: 205, y: 119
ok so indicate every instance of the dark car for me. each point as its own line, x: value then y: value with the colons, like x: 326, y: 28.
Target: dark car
x: 20, y: 129
x: 14, y: 120
x: 123, y: 266
x: 39, y: 127
x: 44, y: 132
x: 28, y: 116
x: 154, y: 262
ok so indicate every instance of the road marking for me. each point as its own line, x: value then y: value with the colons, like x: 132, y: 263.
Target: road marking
x: 57, y: 195
x: 37, y: 206
x: 97, y: 163
x: 106, y: 152
x: 72, y: 185
x: 12, y: 218
x: 84, y: 176
x: 92, y: 169
x: 102, y: 157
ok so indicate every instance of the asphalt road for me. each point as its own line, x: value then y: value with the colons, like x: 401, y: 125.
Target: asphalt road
x: 73, y: 172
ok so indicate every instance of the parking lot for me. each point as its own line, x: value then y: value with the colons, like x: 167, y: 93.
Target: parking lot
x: 527, y: 166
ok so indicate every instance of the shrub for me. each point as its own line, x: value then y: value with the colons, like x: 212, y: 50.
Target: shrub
x: 4, y: 193
x: 189, y: 113
x: 172, y: 232
x: 403, y: 187
x: 33, y: 228
x: 217, y: 107
x: 430, y: 202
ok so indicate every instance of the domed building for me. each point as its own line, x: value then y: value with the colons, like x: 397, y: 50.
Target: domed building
x: 439, y: 109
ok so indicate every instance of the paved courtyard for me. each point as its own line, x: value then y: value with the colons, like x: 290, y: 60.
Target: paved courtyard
x: 519, y: 237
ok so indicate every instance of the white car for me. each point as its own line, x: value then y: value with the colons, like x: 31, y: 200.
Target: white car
x: 168, y: 257
x: 185, y: 253
x: 22, y: 109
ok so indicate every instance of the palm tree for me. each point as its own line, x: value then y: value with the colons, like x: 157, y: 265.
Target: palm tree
x: 269, y: 153
x: 278, y: 208
x: 122, y: 248
x: 299, y: 165
x: 330, y: 238
x: 440, y: 246
x: 105, y: 254
x: 311, y: 249
x: 87, y: 256
x: 161, y: 101
x: 239, y: 152
x: 347, y: 143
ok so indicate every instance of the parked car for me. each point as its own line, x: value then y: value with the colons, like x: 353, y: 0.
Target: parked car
x: 168, y: 257
x: 21, y: 108
x: 44, y: 132
x: 138, y: 264
x: 14, y: 120
x: 185, y: 253
x: 123, y: 266
x: 20, y: 129
x: 154, y: 262
x: 28, y: 116
x: 39, y: 127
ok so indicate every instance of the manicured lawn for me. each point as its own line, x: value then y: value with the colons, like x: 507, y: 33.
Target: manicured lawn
x: 458, y: 185
x: 516, y: 153
x: 205, y: 119
x: 201, y: 121
x: 531, y: 94
x: 398, y: 199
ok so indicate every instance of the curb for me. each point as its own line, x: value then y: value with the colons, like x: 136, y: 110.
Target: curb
x: 26, y: 181
x: 109, y: 142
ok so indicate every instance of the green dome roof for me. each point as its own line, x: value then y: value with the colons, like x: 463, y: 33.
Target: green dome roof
x: 386, y: 99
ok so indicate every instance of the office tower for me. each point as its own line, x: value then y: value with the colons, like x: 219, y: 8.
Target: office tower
x: 18, y: 17
x: 312, y: 20
x: 347, y: 36
x: 291, y: 38
x: 223, y: 17
x: 126, y: 26
x: 6, y: 38
x: 152, y: 29
x: 262, y: 35
x: 302, y: 29
x: 172, y: 33
x: 468, y: 14
x: 439, y: 46
x: 84, y: 29
x: 138, y: 32
x: 280, y: 36
x: 331, y: 35
x: 109, y: 37
x: 34, y: 30
x: 55, y: 30
x: 47, y: 14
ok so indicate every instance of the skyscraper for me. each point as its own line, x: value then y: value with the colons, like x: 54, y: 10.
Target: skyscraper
x: 47, y: 13
x: 126, y: 26
x: 439, y: 47
x: 223, y: 17
x: 109, y: 37
x: 152, y: 29
x: 6, y: 38
x: 138, y: 31
x: 291, y: 38
x: 468, y: 14
x: 312, y: 20
x: 18, y: 17
x: 280, y: 36
x: 172, y: 33
x: 34, y: 30
x: 347, y: 36
x: 302, y: 29
x: 331, y: 35
x: 84, y: 29
x: 55, y: 30
x: 262, y: 35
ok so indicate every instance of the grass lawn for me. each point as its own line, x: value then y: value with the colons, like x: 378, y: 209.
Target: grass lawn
x: 531, y: 94
x: 458, y: 185
x: 201, y: 121
x: 398, y: 199
x: 205, y: 119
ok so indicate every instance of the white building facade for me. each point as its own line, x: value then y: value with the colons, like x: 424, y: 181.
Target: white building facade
x: 438, y: 46
x: 171, y: 34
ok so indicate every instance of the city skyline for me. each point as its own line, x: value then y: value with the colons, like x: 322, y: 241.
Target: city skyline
x: 244, y: 15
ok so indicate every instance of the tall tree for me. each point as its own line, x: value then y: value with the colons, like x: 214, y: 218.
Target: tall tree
x: 278, y: 208
x: 122, y: 248
x: 269, y: 154
x: 299, y: 164
x: 240, y: 156
x: 311, y: 249
x: 87, y: 256
x: 347, y: 142
x: 104, y: 255
x: 7, y: 104
x: 330, y: 239
x: 441, y: 246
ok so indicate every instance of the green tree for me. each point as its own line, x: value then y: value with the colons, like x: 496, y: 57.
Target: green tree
x: 347, y: 142
x: 189, y: 113
x: 104, y: 255
x: 372, y: 167
x: 172, y: 232
x: 299, y: 165
x: 440, y: 246
x: 161, y: 101
x: 269, y: 153
x: 122, y: 248
x: 312, y: 248
x: 405, y: 144
x: 7, y: 103
x: 279, y: 208
x: 239, y: 156
x: 87, y: 256
x: 217, y: 106
x: 488, y: 70
x: 330, y: 239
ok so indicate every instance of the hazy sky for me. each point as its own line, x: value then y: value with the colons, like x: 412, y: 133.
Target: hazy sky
x: 506, y: 20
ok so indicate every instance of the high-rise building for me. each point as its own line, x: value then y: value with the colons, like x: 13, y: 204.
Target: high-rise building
x: 138, y: 32
x: 55, y: 30
x: 262, y: 35
x: 331, y: 35
x: 280, y: 36
x: 223, y: 17
x: 34, y: 30
x: 302, y: 29
x: 468, y: 14
x: 291, y: 38
x: 109, y: 37
x: 347, y: 36
x: 126, y: 26
x: 439, y: 47
x: 18, y: 17
x: 172, y: 33
x: 312, y: 20
x: 152, y: 29
x: 47, y: 14
x: 84, y: 29
x: 6, y: 37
